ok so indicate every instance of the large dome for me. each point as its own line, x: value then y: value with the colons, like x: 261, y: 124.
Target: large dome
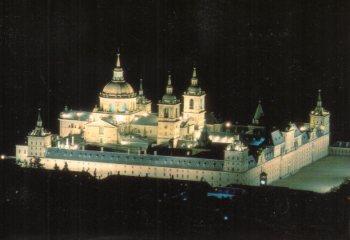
x: 118, y: 89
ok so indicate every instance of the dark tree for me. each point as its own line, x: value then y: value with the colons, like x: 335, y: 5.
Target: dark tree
x: 65, y: 167
x: 36, y: 163
x: 56, y: 168
x: 95, y: 173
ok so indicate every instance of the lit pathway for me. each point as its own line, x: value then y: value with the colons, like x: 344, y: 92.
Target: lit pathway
x: 319, y: 176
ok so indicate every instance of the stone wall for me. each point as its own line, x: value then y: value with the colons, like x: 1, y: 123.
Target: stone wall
x: 339, y: 151
x: 289, y: 163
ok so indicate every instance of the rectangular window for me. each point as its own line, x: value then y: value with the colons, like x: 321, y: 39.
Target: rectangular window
x: 100, y: 130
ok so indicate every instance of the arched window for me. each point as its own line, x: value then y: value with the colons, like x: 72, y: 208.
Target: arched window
x: 191, y: 103
x: 166, y: 112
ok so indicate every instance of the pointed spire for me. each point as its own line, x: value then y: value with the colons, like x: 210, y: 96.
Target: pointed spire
x: 169, y: 80
x: 319, y: 99
x: 118, y: 60
x: 194, y: 72
x: 319, y: 110
x: 141, y: 88
x: 258, y: 114
x: 169, y: 87
x: 194, y: 79
x: 118, y: 73
x: 39, y: 122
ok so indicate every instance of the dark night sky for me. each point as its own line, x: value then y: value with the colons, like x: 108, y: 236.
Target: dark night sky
x: 55, y: 53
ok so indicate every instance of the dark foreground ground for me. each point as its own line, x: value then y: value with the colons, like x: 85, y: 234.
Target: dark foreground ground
x: 42, y: 204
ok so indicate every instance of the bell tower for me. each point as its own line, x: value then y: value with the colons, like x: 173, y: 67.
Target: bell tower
x: 168, y: 117
x: 194, y: 103
x: 319, y: 117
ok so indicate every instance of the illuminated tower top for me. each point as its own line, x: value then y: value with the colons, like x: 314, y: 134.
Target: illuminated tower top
x: 194, y: 88
x: 118, y: 87
x: 169, y: 97
x: 39, y: 129
x: 319, y: 109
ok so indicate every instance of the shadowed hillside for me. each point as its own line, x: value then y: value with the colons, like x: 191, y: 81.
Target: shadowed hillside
x: 43, y: 204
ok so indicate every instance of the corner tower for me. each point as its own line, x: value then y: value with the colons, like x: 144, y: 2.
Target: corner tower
x: 236, y: 160
x: 168, y: 117
x: 319, y: 117
x: 38, y: 139
x: 194, y: 103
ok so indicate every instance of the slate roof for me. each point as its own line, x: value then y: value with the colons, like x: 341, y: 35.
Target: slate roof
x: 134, y: 159
x: 277, y: 137
x: 149, y: 120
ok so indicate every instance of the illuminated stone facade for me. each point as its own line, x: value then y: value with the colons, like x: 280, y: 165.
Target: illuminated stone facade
x: 120, y: 109
x: 123, y: 120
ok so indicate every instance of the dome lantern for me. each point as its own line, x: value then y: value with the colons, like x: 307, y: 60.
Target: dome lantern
x: 118, y: 73
x: 118, y: 87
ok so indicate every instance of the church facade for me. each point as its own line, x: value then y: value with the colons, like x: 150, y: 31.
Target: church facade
x: 122, y: 136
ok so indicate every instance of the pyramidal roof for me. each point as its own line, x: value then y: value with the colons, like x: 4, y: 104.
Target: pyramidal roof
x: 194, y: 88
x: 39, y: 129
x: 258, y: 114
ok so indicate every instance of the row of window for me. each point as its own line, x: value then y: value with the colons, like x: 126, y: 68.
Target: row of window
x: 24, y: 151
x: 138, y: 159
x: 36, y: 143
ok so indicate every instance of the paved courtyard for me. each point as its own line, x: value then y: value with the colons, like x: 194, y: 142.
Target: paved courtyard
x: 319, y: 176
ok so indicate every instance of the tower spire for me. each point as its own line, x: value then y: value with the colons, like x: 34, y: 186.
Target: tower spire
x: 141, y: 88
x: 118, y: 73
x: 118, y: 60
x: 194, y: 72
x: 169, y: 80
x: 319, y: 99
x: 194, y: 79
x: 39, y: 122
x: 258, y: 114
x: 169, y: 87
